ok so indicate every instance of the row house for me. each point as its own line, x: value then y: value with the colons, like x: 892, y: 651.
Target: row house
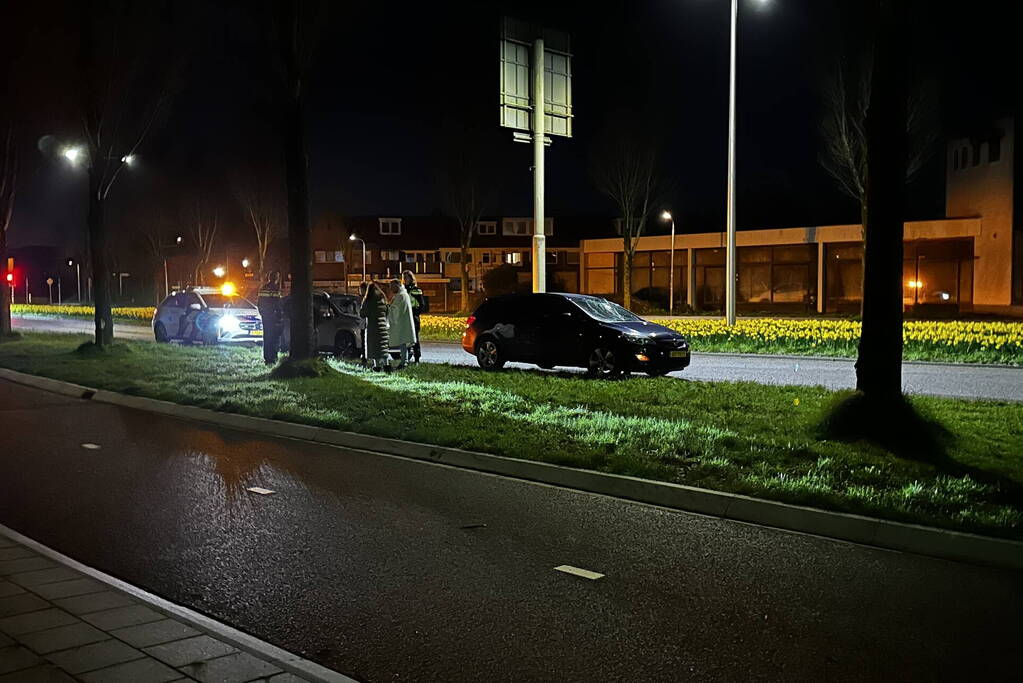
x: 430, y: 247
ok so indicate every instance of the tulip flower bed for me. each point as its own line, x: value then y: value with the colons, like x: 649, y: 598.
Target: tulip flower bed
x: 744, y: 438
x: 128, y: 314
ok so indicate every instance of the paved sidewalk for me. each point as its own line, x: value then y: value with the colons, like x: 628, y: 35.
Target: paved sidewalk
x: 57, y: 624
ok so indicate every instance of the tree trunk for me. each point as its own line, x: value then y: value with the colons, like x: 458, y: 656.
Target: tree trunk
x: 296, y: 169
x: 879, y: 365
x: 98, y: 257
x: 5, y: 297
x: 627, y: 277
x: 465, y: 280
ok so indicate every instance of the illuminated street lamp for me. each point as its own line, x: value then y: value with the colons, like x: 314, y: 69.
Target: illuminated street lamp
x: 245, y: 263
x: 73, y: 154
x: 730, y: 270
x: 219, y: 271
x: 666, y: 216
x: 128, y: 159
x: 166, y: 280
x: 353, y: 238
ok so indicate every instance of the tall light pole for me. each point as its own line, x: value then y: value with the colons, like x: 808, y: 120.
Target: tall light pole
x: 166, y: 280
x: 666, y: 216
x: 730, y: 269
x: 539, y: 122
x: 353, y: 238
x: 78, y: 275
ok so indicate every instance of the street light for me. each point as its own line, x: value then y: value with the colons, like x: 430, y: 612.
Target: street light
x: 78, y: 275
x: 166, y: 280
x: 219, y: 271
x: 666, y: 216
x: 245, y: 263
x: 73, y: 154
x: 128, y: 159
x: 730, y: 270
x: 353, y: 238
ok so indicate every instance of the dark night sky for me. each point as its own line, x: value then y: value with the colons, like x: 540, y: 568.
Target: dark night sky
x: 394, y: 85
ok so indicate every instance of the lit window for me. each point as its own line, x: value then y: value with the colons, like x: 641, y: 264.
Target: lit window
x: 390, y: 226
x: 486, y: 227
x: 515, y: 226
x: 320, y: 256
x: 389, y: 255
x: 513, y: 258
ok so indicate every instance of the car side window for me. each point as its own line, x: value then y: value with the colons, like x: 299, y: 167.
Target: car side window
x: 172, y: 301
x: 191, y: 298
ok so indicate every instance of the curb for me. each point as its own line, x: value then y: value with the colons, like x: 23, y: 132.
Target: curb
x: 911, y: 538
x: 291, y: 663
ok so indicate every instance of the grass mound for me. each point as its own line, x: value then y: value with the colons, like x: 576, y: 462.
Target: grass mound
x: 90, y: 350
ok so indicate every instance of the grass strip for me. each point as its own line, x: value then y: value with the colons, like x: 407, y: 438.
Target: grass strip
x: 738, y: 437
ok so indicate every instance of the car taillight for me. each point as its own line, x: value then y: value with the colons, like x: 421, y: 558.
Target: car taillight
x: 470, y: 321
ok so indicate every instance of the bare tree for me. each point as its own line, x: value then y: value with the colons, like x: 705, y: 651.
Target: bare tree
x: 261, y: 203
x: 203, y: 227
x: 846, y: 99
x: 158, y: 241
x: 297, y: 24
x: 465, y: 198
x: 626, y: 171
x: 8, y: 183
x: 118, y: 108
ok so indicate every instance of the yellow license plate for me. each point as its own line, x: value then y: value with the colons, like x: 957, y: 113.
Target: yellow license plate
x: 256, y: 333
x: 679, y: 354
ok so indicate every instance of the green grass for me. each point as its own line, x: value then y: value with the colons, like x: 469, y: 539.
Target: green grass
x: 739, y: 437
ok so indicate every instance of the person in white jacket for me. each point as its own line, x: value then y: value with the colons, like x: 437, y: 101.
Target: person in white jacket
x: 402, y: 326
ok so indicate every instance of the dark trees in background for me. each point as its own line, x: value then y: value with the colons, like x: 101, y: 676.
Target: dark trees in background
x: 258, y: 194
x: 117, y: 61
x: 8, y: 182
x: 466, y: 170
x: 625, y: 168
x: 296, y: 24
x: 204, y: 223
x: 846, y: 98
x: 879, y: 364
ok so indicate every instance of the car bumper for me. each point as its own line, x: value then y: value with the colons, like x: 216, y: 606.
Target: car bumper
x: 658, y: 360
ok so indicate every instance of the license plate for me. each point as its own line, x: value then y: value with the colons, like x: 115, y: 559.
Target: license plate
x: 679, y: 354
x: 255, y: 333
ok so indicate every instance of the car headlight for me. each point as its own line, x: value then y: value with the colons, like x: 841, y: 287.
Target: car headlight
x: 228, y: 323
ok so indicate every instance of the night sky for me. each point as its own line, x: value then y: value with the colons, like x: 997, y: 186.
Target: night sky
x: 394, y: 87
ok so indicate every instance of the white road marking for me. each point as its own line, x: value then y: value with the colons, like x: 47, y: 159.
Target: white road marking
x: 260, y: 491
x: 91, y: 446
x: 576, y: 571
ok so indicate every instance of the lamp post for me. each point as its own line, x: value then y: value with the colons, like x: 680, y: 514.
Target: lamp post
x: 78, y: 275
x: 166, y: 280
x: 353, y: 238
x: 666, y: 216
x: 730, y: 270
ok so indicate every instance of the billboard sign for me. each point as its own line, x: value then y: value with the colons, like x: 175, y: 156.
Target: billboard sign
x: 516, y: 98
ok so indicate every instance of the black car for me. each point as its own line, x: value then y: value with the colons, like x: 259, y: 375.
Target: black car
x: 571, y: 330
x: 339, y: 327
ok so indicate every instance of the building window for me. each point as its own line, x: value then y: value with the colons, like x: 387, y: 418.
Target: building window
x: 486, y: 227
x: 513, y: 258
x: 515, y: 226
x: 485, y: 257
x: 319, y: 257
x: 390, y: 255
x: 390, y: 226
x: 456, y: 257
x: 552, y: 257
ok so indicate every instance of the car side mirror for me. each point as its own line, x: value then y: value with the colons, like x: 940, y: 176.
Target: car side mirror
x: 195, y: 307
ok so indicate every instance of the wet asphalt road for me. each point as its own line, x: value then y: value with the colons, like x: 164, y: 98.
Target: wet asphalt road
x: 956, y: 381
x: 394, y: 570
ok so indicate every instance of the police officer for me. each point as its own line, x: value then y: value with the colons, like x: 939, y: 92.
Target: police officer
x: 419, y: 306
x: 269, y: 304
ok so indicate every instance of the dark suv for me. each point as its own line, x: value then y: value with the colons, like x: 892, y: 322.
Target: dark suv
x: 571, y: 330
x: 339, y: 327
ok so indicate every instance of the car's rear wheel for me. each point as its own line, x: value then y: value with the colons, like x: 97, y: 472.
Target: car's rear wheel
x: 160, y: 332
x: 489, y: 355
x: 344, y: 345
x: 603, y: 363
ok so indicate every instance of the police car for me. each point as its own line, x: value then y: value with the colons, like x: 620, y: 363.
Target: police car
x: 209, y: 315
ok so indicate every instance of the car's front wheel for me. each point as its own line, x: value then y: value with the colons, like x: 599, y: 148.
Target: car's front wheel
x: 603, y: 362
x: 160, y: 332
x: 344, y: 345
x: 488, y: 355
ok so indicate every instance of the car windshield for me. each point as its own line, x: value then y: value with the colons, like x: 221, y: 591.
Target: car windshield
x: 605, y: 311
x: 221, y: 301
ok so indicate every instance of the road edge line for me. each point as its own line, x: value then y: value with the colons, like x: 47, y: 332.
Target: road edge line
x: 912, y: 538
x: 288, y: 661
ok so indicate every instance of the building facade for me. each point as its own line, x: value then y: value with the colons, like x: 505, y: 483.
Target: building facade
x: 970, y: 261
